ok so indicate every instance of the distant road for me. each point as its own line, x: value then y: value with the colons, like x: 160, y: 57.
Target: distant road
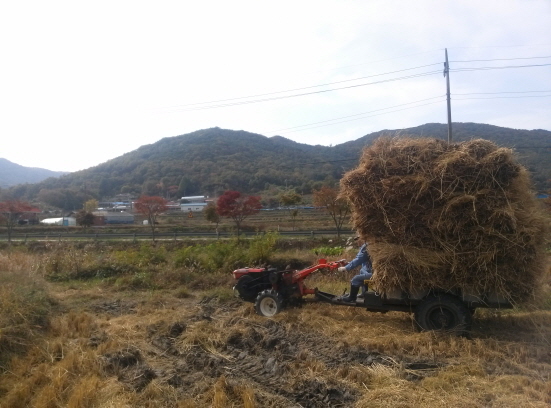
x: 65, y: 236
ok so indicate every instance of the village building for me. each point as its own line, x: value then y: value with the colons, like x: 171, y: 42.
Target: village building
x: 103, y: 217
x: 193, y: 203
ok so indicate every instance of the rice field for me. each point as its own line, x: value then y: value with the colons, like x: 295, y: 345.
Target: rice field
x: 135, y: 325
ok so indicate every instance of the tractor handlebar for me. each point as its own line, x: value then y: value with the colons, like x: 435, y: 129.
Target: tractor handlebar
x: 337, y: 264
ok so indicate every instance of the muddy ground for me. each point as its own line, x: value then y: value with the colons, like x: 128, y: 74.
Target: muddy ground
x: 264, y: 354
x: 317, y: 355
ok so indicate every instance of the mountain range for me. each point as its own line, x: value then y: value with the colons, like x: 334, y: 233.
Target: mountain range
x: 210, y: 161
x: 12, y: 174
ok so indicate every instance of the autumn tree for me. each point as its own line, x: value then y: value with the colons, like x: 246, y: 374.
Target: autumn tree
x: 338, y: 207
x: 211, y: 215
x: 91, y: 205
x: 237, y: 206
x: 85, y: 218
x: 290, y: 199
x: 11, y: 212
x: 151, y: 207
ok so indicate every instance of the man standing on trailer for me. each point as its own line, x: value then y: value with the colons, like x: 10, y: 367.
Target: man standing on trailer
x: 366, y: 271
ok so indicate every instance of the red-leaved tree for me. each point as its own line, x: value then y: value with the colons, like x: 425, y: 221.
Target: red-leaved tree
x: 11, y: 211
x: 151, y: 207
x: 237, y: 206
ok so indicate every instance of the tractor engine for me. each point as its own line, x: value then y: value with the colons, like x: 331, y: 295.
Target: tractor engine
x: 252, y: 281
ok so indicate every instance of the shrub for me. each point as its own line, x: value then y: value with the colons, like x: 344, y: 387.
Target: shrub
x: 67, y: 263
x: 261, y: 248
x: 187, y: 257
x: 145, y: 255
x: 224, y: 255
x: 328, y: 251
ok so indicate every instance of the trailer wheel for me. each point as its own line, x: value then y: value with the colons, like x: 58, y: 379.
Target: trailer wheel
x: 244, y: 287
x: 445, y: 313
x: 268, y: 303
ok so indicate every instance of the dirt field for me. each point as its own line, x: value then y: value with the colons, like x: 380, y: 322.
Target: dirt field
x: 206, y: 349
x: 133, y: 325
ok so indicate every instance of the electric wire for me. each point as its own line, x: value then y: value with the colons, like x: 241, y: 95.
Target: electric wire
x: 310, y: 93
x: 277, y: 95
x: 491, y: 68
x: 246, y: 102
x: 309, y: 87
x: 504, y: 97
x: 365, y: 77
x: 502, y: 92
x: 363, y: 117
x: 501, y: 59
x: 247, y: 99
x: 357, y: 114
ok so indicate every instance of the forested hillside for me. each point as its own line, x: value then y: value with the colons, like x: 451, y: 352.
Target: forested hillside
x: 210, y: 161
x: 533, y: 147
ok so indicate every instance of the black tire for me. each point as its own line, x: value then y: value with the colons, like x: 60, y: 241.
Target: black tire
x: 268, y: 303
x: 246, y: 288
x: 445, y: 313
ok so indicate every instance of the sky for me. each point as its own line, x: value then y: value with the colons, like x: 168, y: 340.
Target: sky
x: 85, y: 82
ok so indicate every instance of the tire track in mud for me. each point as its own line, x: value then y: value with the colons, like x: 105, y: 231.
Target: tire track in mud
x: 271, y: 358
x: 269, y: 354
x: 262, y: 356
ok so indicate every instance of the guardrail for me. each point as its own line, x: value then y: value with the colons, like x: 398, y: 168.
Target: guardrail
x: 158, y: 236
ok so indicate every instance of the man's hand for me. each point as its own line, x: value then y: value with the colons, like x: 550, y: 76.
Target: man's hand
x: 342, y: 269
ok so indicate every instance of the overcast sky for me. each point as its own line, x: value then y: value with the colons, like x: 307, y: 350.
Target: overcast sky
x: 85, y: 82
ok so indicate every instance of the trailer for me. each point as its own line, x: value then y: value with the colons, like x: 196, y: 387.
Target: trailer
x: 272, y: 290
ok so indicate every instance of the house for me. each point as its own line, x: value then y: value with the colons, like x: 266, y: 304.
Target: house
x: 113, y: 217
x: 193, y: 203
x: 29, y: 217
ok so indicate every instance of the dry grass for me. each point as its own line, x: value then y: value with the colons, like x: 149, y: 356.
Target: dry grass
x: 104, y: 347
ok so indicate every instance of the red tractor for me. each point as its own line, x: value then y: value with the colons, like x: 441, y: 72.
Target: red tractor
x: 271, y: 290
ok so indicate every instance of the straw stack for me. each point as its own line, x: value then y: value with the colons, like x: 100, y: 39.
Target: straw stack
x: 447, y: 216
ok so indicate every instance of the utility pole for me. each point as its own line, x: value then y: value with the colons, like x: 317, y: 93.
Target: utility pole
x: 447, y: 75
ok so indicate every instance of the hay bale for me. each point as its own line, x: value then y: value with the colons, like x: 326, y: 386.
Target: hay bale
x: 448, y: 216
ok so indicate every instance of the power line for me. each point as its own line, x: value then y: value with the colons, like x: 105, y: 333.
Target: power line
x: 388, y: 59
x: 364, y: 117
x: 338, y: 120
x: 357, y: 114
x: 243, y: 99
x: 493, y: 93
x: 502, y: 67
x: 221, y: 105
x: 504, y: 97
x: 309, y: 87
x: 503, y: 59
x: 504, y: 46
x: 215, y: 104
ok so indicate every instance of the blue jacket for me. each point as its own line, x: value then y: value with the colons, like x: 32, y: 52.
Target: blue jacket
x: 362, y: 259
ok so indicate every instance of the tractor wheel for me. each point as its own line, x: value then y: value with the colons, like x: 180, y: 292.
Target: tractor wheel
x: 244, y: 287
x: 268, y: 303
x: 445, y: 313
